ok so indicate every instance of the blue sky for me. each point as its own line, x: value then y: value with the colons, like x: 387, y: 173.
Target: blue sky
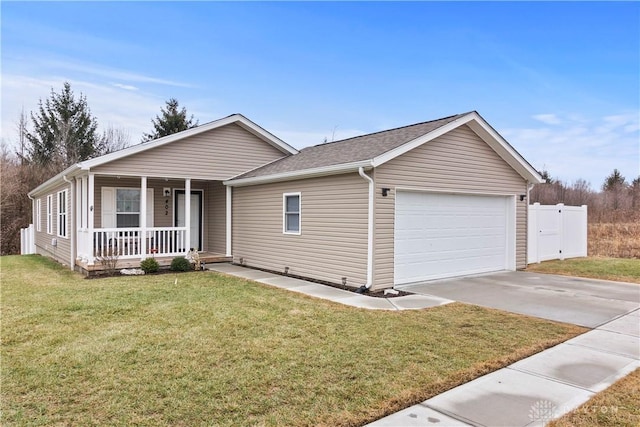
x: 560, y: 81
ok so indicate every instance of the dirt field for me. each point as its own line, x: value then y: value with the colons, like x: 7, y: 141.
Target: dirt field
x: 621, y: 240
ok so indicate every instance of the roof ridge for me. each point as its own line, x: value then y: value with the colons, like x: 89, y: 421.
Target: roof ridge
x: 388, y: 130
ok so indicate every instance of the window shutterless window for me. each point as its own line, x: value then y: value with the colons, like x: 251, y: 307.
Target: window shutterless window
x: 291, y: 213
x: 127, y: 207
x: 38, y: 215
x: 50, y: 214
x: 62, y: 213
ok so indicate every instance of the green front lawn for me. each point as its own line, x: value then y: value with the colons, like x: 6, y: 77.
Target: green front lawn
x: 619, y: 269
x: 217, y: 350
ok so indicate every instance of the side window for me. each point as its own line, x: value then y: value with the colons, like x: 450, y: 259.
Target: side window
x: 62, y: 213
x: 38, y: 214
x: 291, y: 213
x: 50, y: 214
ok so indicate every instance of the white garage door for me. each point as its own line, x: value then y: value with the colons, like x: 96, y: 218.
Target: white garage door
x: 446, y: 235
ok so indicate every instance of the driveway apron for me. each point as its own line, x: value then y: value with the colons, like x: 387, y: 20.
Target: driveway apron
x: 583, y: 302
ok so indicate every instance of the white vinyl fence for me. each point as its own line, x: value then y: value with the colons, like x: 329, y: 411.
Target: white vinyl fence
x: 556, y: 232
x: 27, y: 240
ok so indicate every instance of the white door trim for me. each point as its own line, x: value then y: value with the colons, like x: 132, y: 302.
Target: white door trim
x: 510, y: 217
x: 175, y: 210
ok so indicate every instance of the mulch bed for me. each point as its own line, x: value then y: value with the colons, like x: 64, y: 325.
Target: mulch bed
x: 377, y: 294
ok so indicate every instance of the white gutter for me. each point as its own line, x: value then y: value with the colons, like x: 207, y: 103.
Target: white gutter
x: 369, y: 228
x: 51, y: 182
x: 299, y: 174
x: 72, y: 229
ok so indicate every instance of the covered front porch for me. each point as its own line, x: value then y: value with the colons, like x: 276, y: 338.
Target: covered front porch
x: 127, y: 219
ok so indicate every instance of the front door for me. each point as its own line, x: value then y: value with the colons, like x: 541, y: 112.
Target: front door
x: 196, y: 216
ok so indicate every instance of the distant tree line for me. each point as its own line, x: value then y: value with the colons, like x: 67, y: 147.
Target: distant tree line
x: 60, y: 133
x: 617, y: 201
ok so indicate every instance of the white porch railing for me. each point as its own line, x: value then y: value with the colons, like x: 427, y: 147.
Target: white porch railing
x: 127, y: 243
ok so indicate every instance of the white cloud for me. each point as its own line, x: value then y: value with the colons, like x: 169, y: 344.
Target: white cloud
x: 97, y: 70
x: 550, y: 119
x: 110, y: 104
x: 577, y: 147
x: 125, y: 87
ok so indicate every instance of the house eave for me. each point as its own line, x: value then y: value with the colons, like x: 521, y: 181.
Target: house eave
x: 69, y: 172
x: 238, y: 119
x: 484, y: 131
x: 300, y: 174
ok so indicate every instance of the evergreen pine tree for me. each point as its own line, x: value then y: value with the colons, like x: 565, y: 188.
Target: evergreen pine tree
x: 64, y: 131
x: 172, y: 120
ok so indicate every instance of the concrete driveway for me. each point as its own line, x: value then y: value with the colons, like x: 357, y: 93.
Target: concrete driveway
x: 535, y: 390
x: 584, y: 302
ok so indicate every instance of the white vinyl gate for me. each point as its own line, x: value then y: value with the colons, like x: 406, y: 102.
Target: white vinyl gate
x: 556, y: 232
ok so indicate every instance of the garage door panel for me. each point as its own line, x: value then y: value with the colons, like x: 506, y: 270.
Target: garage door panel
x: 444, y: 235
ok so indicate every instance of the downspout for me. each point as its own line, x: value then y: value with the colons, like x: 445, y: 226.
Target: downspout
x: 367, y: 285
x: 72, y: 228
x: 529, y: 188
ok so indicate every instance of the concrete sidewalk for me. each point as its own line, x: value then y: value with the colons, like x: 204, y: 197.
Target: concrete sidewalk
x: 529, y: 392
x: 409, y: 302
x: 537, y: 389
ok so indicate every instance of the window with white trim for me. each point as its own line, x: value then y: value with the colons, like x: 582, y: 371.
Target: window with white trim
x: 62, y: 213
x: 50, y: 214
x: 127, y: 207
x: 291, y: 221
x: 121, y: 207
x: 38, y: 214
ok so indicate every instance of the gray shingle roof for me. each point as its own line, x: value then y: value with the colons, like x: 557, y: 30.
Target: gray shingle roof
x: 359, y: 148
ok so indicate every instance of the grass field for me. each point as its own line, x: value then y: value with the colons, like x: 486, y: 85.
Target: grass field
x: 615, y: 407
x: 217, y: 350
x: 617, y: 240
x: 624, y: 270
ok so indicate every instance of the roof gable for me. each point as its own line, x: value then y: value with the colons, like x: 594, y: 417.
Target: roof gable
x: 375, y: 149
x: 238, y: 119
x: 348, y: 151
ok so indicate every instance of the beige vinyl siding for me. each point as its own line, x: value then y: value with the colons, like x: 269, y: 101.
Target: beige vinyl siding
x: 333, y: 239
x: 218, y: 154
x: 458, y: 161
x: 62, y: 252
x: 216, y: 217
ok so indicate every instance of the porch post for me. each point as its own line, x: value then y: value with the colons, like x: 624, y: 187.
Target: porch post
x: 91, y: 214
x: 77, y: 232
x: 187, y: 212
x: 143, y: 216
x: 85, y: 203
x: 72, y: 220
x: 229, y: 224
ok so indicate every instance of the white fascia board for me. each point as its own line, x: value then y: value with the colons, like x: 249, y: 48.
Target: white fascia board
x: 265, y: 135
x: 484, y: 131
x: 235, y: 118
x: 398, y: 151
x: 300, y: 174
x: 504, y: 149
x: 69, y: 172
